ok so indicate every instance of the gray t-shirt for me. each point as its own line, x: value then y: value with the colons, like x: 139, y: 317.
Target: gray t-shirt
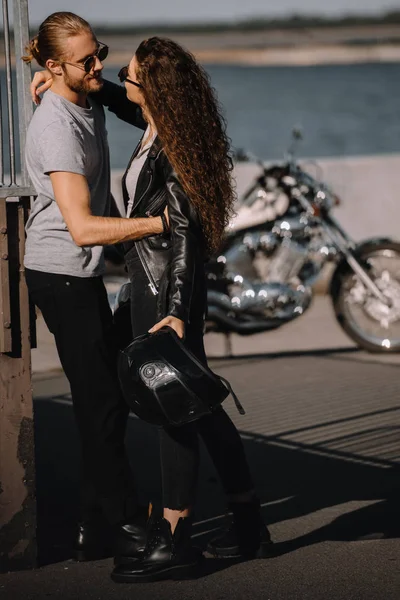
x: 65, y: 137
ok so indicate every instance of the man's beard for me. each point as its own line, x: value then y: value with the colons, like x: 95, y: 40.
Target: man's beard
x: 87, y: 85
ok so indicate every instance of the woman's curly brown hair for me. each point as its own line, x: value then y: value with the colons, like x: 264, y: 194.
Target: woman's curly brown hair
x: 192, y: 130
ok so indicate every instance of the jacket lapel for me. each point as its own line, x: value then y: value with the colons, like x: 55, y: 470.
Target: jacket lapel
x: 125, y: 194
x: 146, y: 174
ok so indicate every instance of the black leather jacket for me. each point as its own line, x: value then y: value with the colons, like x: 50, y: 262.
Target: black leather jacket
x: 173, y: 262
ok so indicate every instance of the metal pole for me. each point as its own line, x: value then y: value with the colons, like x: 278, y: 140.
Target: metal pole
x: 11, y: 136
x: 25, y: 109
x: 17, y: 466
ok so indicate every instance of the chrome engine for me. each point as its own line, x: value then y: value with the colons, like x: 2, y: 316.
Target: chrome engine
x: 269, y: 273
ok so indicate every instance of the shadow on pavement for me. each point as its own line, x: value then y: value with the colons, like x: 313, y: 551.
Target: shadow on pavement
x: 238, y: 358
x: 294, y: 480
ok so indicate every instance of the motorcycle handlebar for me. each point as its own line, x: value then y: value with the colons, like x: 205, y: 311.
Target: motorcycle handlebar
x: 241, y: 155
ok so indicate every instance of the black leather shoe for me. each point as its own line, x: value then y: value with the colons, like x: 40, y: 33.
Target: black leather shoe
x: 93, y: 541
x: 96, y: 539
x: 130, y: 538
x: 246, y: 535
x: 166, y: 555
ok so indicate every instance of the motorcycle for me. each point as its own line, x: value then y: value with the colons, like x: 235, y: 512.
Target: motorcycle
x: 275, y: 250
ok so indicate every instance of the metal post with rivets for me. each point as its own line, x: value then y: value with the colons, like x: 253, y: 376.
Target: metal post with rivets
x: 17, y: 466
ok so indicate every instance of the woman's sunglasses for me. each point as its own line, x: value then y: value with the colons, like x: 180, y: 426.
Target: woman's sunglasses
x: 90, y: 62
x: 123, y: 76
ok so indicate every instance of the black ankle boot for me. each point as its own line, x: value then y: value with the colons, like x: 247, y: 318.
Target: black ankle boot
x: 166, y: 555
x: 246, y: 535
x: 93, y: 541
x: 96, y: 539
x: 130, y: 538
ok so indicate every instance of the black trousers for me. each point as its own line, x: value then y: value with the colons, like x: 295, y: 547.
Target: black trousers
x: 179, y: 446
x: 77, y: 313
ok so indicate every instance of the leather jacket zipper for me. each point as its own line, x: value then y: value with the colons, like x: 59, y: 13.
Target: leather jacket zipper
x: 152, y: 283
x: 155, y: 203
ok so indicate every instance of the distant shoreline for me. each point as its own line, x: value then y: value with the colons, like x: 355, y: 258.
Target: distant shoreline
x: 306, y: 46
x: 293, y: 56
x: 256, y: 23
x: 296, y: 56
x: 302, y: 47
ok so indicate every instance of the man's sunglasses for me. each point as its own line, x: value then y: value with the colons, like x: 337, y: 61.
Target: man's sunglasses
x: 123, y: 76
x: 90, y: 62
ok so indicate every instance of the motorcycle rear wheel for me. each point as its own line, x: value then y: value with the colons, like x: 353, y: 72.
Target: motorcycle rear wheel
x: 367, y: 321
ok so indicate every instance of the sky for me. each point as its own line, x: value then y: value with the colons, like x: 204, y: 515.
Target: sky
x: 164, y: 11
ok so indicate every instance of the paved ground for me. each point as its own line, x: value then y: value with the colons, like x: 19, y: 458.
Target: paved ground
x: 316, y: 330
x: 322, y: 432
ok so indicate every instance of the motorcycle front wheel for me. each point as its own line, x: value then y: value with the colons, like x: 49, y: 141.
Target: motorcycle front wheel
x: 371, y: 323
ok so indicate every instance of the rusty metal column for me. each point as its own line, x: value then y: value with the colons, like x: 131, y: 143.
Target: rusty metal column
x: 17, y: 469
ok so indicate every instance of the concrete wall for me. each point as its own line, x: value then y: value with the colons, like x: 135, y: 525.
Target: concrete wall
x: 369, y: 187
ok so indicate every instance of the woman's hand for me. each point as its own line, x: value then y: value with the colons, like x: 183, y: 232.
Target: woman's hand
x: 41, y: 82
x: 176, y: 324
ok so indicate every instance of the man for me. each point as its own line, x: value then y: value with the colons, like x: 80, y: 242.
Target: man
x: 68, y: 161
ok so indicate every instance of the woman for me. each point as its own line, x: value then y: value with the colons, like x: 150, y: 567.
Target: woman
x: 182, y: 162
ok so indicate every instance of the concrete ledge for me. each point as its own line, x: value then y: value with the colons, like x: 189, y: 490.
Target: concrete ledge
x: 369, y: 187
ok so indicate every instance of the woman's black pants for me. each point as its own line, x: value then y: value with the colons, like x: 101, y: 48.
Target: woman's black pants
x: 179, y: 446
